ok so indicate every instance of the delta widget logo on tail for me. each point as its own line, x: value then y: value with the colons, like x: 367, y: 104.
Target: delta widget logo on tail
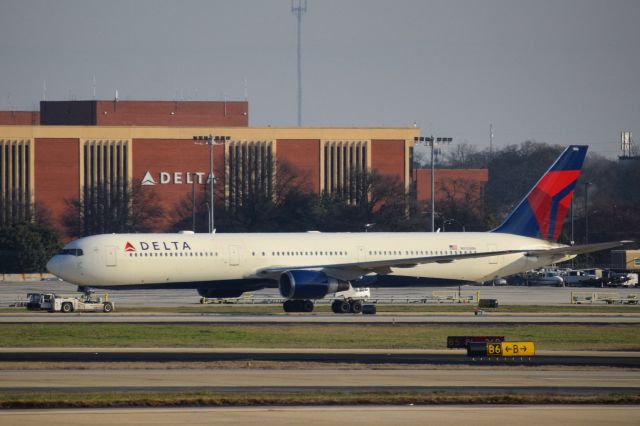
x: 551, y: 199
x: 129, y: 247
x: 542, y: 212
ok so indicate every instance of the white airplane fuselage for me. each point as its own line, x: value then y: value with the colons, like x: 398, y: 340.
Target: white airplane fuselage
x: 126, y: 260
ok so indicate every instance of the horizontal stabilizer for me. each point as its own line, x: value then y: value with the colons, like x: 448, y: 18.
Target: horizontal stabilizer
x: 580, y: 249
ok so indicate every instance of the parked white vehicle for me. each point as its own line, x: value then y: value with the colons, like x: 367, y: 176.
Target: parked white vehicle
x: 583, y: 278
x: 551, y: 278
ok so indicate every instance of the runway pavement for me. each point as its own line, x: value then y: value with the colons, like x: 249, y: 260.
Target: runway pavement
x: 484, y: 380
x: 262, y: 319
x: 489, y: 415
x: 436, y: 357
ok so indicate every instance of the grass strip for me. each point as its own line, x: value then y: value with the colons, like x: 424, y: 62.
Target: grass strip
x: 341, y: 336
x: 202, y: 399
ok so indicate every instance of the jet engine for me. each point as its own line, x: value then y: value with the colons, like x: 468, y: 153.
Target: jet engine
x: 305, y: 284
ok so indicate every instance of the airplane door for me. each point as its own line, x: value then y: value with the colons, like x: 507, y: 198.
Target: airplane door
x: 361, y: 254
x: 234, y: 255
x: 493, y: 260
x: 112, y: 258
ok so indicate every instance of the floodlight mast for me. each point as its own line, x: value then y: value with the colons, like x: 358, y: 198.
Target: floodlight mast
x: 298, y: 9
x: 211, y: 141
x: 430, y: 141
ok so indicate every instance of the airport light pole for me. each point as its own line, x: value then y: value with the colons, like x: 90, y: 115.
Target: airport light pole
x: 430, y: 141
x: 586, y: 211
x: 586, y: 218
x: 572, y: 240
x: 193, y: 205
x: 211, y: 141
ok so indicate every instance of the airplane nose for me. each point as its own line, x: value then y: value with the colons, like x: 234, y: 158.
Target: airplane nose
x: 53, y: 265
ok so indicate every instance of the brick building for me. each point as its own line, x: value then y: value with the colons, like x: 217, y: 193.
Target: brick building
x: 51, y: 156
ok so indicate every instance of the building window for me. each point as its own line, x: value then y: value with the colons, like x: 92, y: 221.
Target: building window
x: 16, y: 185
x: 345, y: 166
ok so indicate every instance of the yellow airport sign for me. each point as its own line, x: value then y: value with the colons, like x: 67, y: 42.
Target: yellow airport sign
x: 511, y: 349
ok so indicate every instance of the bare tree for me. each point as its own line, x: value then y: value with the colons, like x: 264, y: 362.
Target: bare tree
x: 101, y: 211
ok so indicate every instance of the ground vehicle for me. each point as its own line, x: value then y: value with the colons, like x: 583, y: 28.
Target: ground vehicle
x: 66, y: 304
x: 617, y: 279
x: 582, y: 278
x: 545, y: 278
x: 39, y: 301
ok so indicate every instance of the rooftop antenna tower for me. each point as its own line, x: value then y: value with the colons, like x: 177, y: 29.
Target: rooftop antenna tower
x: 299, y: 8
x: 626, y: 144
x: 490, y: 141
x: 94, y: 87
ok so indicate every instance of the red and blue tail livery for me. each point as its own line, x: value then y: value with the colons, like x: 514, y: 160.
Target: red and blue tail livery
x: 542, y: 212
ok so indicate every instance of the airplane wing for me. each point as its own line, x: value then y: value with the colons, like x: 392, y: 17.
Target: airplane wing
x: 354, y: 270
x: 579, y: 249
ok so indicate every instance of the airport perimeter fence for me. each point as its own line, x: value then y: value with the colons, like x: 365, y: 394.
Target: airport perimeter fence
x: 28, y: 277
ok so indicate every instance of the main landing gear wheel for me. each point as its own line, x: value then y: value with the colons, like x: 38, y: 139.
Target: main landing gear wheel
x: 307, y: 306
x: 298, y: 306
x: 287, y: 306
x: 340, y: 307
x: 355, y: 306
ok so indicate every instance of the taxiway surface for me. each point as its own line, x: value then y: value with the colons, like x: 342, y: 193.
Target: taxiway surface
x: 482, y: 380
x: 85, y: 356
x: 449, y: 415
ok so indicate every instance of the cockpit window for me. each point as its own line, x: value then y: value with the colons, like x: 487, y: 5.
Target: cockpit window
x: 71, y: 252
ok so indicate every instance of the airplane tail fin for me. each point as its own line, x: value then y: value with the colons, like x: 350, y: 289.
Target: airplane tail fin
x: 542, y: 212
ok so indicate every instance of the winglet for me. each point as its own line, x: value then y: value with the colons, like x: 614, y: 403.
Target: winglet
x: 542, y: 212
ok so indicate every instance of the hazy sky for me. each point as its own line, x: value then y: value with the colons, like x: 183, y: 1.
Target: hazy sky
x: 558, y: 71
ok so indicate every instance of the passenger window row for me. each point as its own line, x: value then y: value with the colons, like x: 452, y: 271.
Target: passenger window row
x: 78, y: 252
x: 175, y: 254
x: 418, y: 252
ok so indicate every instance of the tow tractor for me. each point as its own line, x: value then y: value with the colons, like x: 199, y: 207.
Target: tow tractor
x: 54, y: 303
